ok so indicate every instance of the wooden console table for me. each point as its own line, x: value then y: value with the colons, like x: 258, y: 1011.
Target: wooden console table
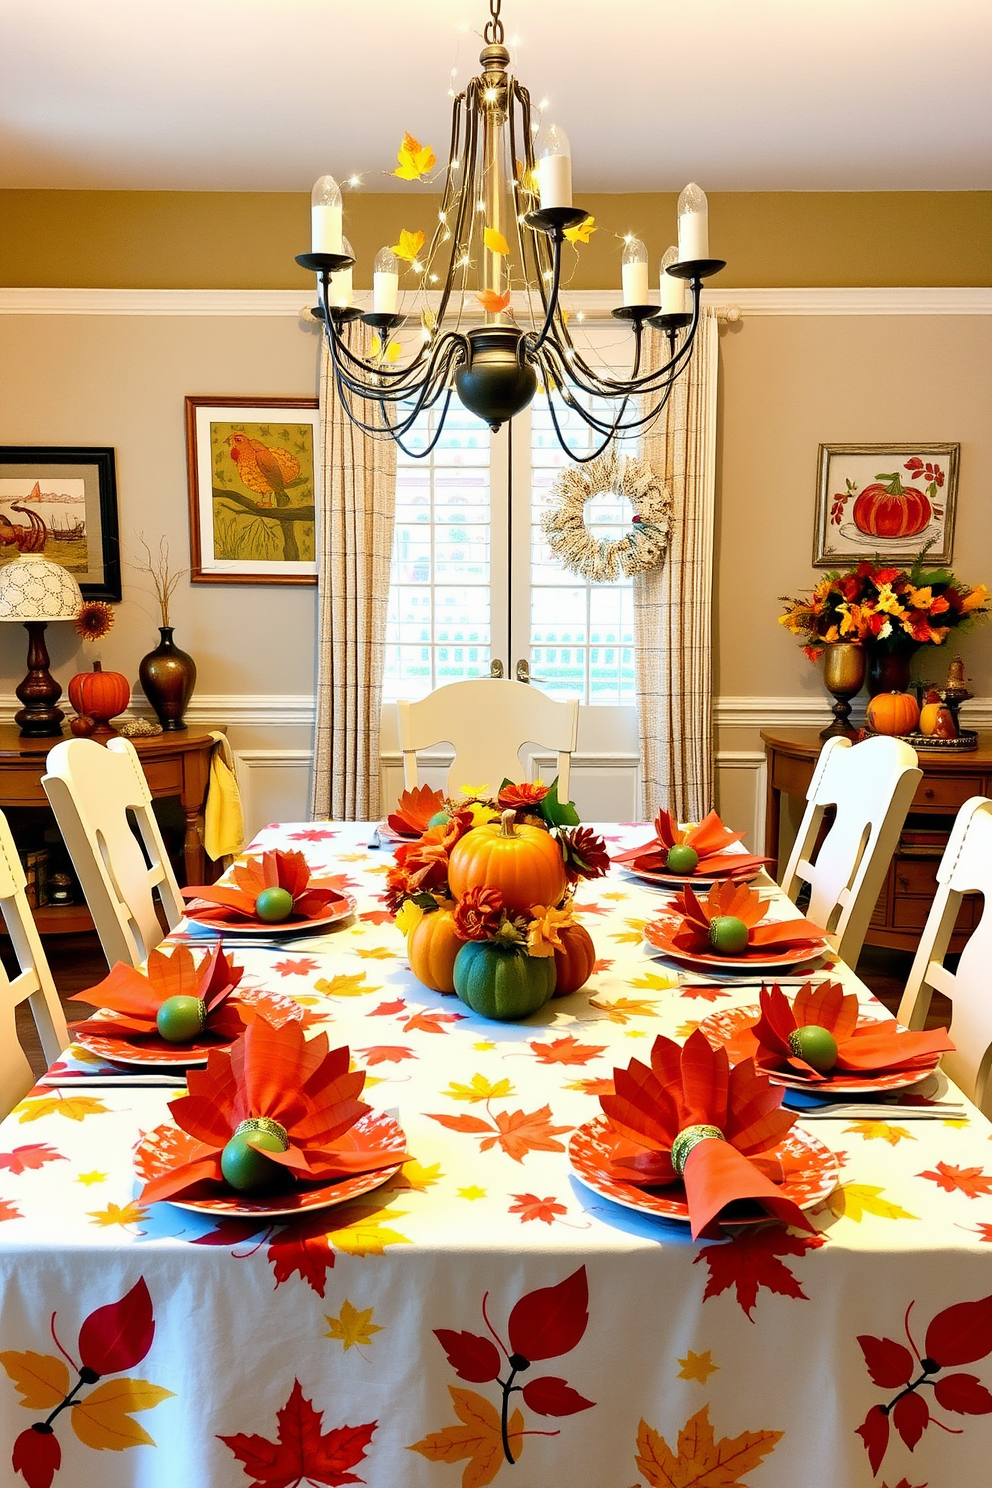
x: 175, y: 764
x: 948, y: 781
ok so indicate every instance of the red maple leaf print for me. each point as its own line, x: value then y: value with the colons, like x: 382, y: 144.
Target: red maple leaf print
x: 34, y: 1155
x: 312, y: 834
x: 296, y: 966
x: 302, y: 1452
x: 472, y: 1356
x: 596, y: 909
x: 517, y: 1132
x: 387, y: 1054
x: 592, y: 1087
x: 751, y: 1260
x: 529, y: 1206
x: 232, y: 1232
x: 551, y: 1396
x: 118, y: 1336
x: 305, y: 1249
x: 551, y: 1320
x: 376, y: 916
x: 9, y: 1210
x: 961, y: 1333
x: 567, y: 1050
x: 424, y: 1022
x: 890, y: 1364
x: 387, y: 1009
x: 708, y: 994
x: 970, y: 1181
x: 601, y: 966
x: 984, y: 1232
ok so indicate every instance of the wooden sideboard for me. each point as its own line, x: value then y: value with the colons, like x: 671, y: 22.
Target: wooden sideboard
x: 948, y: 781
x: 175, y: 764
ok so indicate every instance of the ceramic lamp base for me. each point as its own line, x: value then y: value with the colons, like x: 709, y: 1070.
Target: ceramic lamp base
x: 39, y: 692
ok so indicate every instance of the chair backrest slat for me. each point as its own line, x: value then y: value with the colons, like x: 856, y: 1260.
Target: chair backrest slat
x: 33, y: 984
x: 966, y: 867
x: 871, y: 786
x: 99, y: 796
x: 487, y: 721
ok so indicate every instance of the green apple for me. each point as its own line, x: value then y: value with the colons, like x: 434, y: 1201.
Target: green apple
x: 681, y: 858
x: 247, y: 1169
x: 728, y: 935
x: 180, y: 1019
x: 816, y: 1045
x: 274, y: 905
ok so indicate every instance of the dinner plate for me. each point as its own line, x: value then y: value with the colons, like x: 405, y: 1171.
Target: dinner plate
x: 659, y: 938
x: 678, y: 881
x: 811, y: 1174
x: 168, y: 1145
x: 390, y: 834
x: 344, y: 906
x: 723, y: 1027
x: 158, y: 1051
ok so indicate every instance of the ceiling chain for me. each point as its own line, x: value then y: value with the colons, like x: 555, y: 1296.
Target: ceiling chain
x: 494, y: 27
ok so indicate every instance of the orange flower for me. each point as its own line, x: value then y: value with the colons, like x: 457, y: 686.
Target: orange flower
x: 542, y: 936
x: 522, y: 797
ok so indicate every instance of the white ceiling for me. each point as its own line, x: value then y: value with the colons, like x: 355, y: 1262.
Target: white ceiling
x: 268, y: 94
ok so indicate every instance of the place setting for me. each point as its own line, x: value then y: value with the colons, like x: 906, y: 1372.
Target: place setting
x: 700, y: 854
x: 731, y: 933
x: 267, y: 899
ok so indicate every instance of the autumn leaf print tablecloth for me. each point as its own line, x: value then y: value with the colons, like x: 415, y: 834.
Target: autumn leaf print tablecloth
x: 485, y: 1317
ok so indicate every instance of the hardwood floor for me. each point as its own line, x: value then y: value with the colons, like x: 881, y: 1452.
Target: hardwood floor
x: 78, y: 963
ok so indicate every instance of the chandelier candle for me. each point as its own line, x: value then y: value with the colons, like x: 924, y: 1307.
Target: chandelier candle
x: 500, y: 240
x: 672, y: 289
x: 325, y: 216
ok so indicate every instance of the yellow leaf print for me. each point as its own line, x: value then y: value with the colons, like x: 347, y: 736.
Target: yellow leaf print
x: 94, y: 1177
x: 414, y: 1175
x: 42, y: 1380
x: 656, y: 981
x: 409, y: 245
x: 479, y: 1089
x: 352, y: 1326
x: 495, y: 242
x: 345, y: 984
x: 414, y: 159
x: 102, y: 1418
x: 881, y: 1131
x: 582, y: 232
x: 474, y: 1192
x: 622, y: 1009
x: 377, y: 953
x: 855, y: 1200
x: 697, y: 1367
x: 631, y: 936
x: 73, y: 1108
x: 130, y: 1214
x: 364, y: 1232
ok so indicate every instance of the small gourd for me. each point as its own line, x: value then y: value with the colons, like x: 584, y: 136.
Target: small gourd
x: 893, y: 713
x: 432, y: 947
x: 100, y: 695
x: 574, y: 963
x: 503, y: 982
x: 928, y: 713
x: 682, y: 858
x: 524, y: 863
x: 274, y: 905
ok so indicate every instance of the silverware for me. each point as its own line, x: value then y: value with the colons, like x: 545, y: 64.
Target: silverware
x: 72, y: 1082
x: 903, y: 1115
x: 376, y: 841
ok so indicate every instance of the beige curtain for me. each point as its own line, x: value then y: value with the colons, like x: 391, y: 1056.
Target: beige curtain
x: 673, y: 603
x: 358, y: 498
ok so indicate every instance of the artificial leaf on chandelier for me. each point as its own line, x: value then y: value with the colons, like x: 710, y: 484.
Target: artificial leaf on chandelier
x: 495, y: 242
x: 493, y: 302
x: 391, y: 354
x: 409, y: 245
x: 583, y: 232
x: 415, y: 160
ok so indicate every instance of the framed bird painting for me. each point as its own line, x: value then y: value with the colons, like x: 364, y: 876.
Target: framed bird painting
x: 252, y: 466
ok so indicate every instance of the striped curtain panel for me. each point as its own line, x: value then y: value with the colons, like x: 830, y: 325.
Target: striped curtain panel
x: 673, y: 603
x: 358, y: 499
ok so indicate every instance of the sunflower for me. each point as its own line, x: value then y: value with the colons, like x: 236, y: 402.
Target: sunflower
x: 93, y: 619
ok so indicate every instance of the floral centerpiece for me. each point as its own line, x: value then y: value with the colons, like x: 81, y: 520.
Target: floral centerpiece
x: 485, y: 897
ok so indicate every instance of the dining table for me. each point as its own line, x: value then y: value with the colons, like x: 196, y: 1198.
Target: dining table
x: 486, y: 1315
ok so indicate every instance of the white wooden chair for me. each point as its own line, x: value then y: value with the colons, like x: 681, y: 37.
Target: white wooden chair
x: 487, y: 721
x: 32, y: 985
x: 966, y: 867
x: 92, y: 790
x: 871, y: 786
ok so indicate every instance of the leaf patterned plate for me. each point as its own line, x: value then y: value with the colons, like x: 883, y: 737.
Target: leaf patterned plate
x: 344, y: 906
x: 811, y: 1174
x: 276, y: 1008
x: 723, y: 1029
x: 676, y: 882
x: 658, y: 934
x: 168, y: 1145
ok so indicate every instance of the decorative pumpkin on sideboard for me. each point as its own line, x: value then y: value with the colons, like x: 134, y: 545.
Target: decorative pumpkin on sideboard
x: 101, y: 696
x: 894, y: 713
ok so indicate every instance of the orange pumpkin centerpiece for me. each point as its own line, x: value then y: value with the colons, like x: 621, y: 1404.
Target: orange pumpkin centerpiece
x: 101, y: 696
x: 432, y: 947
x: 575, y: 961
x: 893, y: 713
x: 524, y: 863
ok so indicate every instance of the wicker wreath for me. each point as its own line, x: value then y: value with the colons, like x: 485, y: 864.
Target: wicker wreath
x: 643, y: 547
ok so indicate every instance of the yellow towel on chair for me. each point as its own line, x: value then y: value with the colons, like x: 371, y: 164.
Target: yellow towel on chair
x: 223, y: 818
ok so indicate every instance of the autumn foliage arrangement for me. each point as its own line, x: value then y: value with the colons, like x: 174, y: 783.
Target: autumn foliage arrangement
x: 484, y: 895
x: 886, y: 608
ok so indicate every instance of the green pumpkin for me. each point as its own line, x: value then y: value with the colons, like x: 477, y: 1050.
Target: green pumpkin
x: 503, y: 981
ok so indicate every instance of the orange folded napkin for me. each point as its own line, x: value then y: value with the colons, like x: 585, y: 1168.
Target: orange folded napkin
x: 273, y: 870
x: 709, y: 839
x: 868, y: 1049
x: 273, y: 1080
x: 414, y: 811
x: 137, y: 997
x: 691, y: 1117
x: 737, y: 901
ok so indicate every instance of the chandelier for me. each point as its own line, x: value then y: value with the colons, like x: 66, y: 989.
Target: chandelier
x: 505, y: 211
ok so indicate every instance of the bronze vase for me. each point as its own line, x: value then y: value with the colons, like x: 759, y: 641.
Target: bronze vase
x: 167, y: 677
x: 888, y: 671
x: 844, y: 666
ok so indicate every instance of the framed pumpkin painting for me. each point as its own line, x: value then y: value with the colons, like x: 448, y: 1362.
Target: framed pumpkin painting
x: 885, y: 501
x: 252, y: 465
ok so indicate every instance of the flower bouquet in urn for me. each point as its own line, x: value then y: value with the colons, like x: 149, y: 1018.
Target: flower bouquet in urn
x: 484, y: 896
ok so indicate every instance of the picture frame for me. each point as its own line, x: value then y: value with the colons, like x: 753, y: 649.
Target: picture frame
x: 250, y: 463
x: 60, y: 501
x: 862, y: 514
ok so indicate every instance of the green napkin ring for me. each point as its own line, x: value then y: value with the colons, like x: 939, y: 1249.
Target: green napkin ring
x: 687, y: 1138
x: 266, y: 1124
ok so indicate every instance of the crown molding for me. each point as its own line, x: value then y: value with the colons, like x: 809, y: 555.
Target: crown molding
x: 593, y: 303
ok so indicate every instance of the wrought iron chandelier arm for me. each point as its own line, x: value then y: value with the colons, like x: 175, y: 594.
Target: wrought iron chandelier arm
x: 428, y: 449
x: 428, y: 397
x: 578, y: 457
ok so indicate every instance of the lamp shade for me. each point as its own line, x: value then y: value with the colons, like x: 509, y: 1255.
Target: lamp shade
x: 34, y: 588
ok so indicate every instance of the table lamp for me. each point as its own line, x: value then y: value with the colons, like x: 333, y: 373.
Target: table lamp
x: 33, y: 590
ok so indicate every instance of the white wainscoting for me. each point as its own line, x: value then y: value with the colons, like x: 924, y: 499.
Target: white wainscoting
x: 275, y: 785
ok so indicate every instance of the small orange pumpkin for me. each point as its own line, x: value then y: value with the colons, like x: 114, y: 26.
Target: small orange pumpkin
x: 928, y: 713
x: 893, y: 713
x: 523, y: 863
x: 100, y: 695
x: 574, y: 963
x: 432, y: 948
